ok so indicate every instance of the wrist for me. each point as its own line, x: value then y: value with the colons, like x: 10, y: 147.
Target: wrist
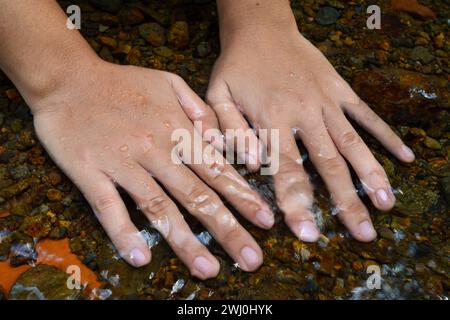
x: 246, y: 20
x: 57, y: 74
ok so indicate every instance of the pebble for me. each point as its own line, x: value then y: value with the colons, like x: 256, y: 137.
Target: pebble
x: 432, y: 143
x: 20, y: 171
x: 54, y: 195
x: 112, y: 6
x: 163, y: 51
x: 327, y: 15
x: 131, y: 16
x: 153, y: 33
x: 43, y: 282
x: 178, y: 34
x: 203, y: 49
x: 421, y: 54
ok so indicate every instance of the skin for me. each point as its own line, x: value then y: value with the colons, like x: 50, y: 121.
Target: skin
x: 271, y: 75
x: 107, y: 125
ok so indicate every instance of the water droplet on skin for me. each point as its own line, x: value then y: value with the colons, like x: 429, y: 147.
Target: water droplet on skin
x: 208, y: 209
x: 227, y: 219
x: 106, y: 148
x: 128, y: 165
x: 167, y: 124
x: 201, y: 198
x: 124, y: 148
x: 216, y: 169
x: 162, y: 225
x: 291, y: 74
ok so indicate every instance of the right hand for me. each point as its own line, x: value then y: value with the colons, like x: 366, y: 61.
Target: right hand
x: 112, y: 125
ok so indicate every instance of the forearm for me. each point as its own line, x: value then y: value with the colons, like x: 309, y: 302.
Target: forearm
x: 244, y: 18
x: 38, y: 52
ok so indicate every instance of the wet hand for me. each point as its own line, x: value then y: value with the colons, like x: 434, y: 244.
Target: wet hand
x: 112, y: 127
x: 276, y: 79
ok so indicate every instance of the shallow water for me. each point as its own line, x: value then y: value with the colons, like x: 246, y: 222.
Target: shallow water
x: 412, y: 251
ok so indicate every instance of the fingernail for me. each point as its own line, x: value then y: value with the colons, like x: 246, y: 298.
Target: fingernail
x: 408, y: 153
x: 265, y: 218
x: 204, y: 266
x: 250, y: 257
x: 366, y: 229
x: 137, y: 257
x: 308, y: 231
x: 382, y: 197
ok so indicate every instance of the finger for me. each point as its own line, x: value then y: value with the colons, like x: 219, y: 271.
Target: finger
x: 198, y: 112
x: 334, y: 172
x: 223, y: 178
x: 351, y: 146
x: 164, y: 215
x: 112, y: 214
x: 207, y: 207
x: 373, y: 124
x: 239, y: 137
x: 292, y: 187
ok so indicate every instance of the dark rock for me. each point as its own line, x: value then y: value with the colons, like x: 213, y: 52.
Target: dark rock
x: 178, y: 34
x: 20, y: 171
x: 163, y: 51
x: 153, y: 33
x: 403, y: 41
x: 418, y: 250
x: 43, y: 282
x: 203, y: 49
x: 445, y: 185
x: 131, y: 16
x: 310, y: 286
x: 421, y: 54
x: 327, y: 16
x: 112, y: 6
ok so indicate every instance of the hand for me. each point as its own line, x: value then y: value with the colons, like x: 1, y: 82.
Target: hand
x: 111, y: 125
x: 278, y: 80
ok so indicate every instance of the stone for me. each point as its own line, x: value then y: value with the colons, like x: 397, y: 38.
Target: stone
x: 203, y: 49
x: 413, y: 7
x: 163, y: 51
x: 432, y: 143
x: 111, y: 6
x: 153, y: 33
x: 43, y: 282
x: 445, y: 185
x: 178, y: 34
x: 131, y: 16
x: 327, y: 15
x: 421, y: 54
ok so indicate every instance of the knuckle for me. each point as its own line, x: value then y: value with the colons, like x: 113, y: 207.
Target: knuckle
x: 200, y: 197
x: 349, y: 139
x: 333, y: 166
x: 287, y: 167
x: 354, y: 209
x: 157, y: 204
x: 230, y: 234
x: 105, y: 202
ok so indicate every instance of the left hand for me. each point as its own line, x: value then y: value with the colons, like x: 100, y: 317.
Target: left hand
x: 279, y: 80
